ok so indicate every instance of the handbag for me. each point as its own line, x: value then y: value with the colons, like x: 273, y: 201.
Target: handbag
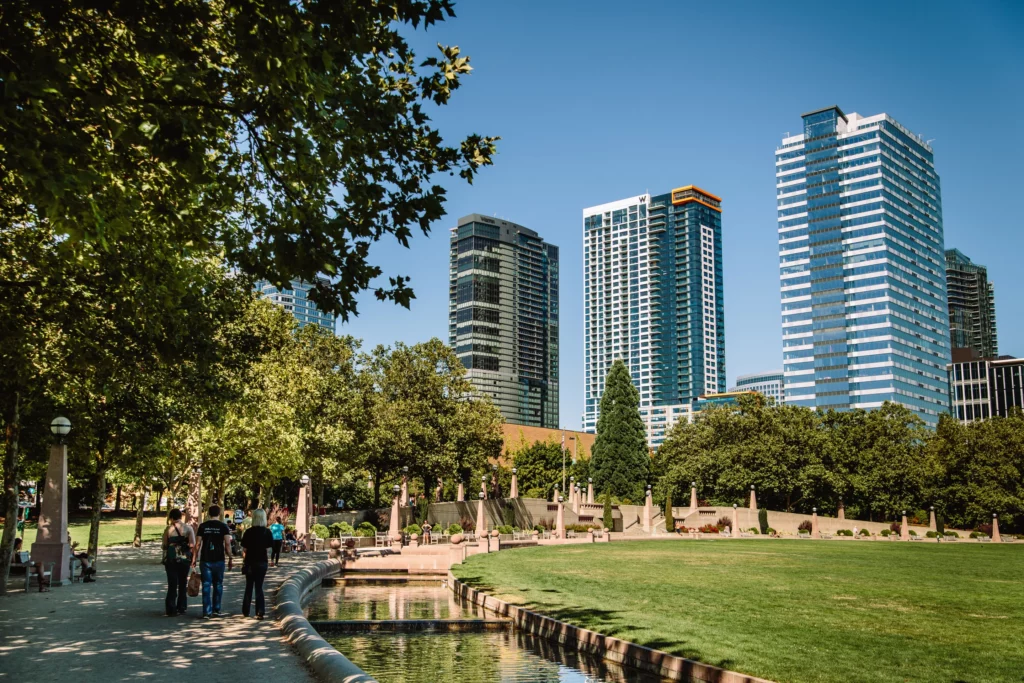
x: 195, y: 583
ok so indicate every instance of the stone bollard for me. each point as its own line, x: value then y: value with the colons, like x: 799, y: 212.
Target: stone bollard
x: 457, y: 539
x: 904, y: 529
x: 536, y: 535
x: 607, y: 535
x: 414, y: 541
x: 590, y: 534
x: 995, y: 529
x: 335, y: 551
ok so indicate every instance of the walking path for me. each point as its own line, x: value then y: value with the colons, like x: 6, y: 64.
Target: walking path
x: 115, y: 630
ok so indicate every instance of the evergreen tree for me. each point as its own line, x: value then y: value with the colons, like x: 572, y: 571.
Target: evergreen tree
x: 620, y: 461
x: 762, y: 520
x: 670, y: 522
x: 609, y: 521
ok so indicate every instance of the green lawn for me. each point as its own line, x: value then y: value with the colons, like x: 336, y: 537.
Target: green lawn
x: 787, y: 610
x: 112, y: 531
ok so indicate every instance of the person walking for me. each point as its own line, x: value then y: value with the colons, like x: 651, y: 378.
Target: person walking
x: 256, y: 540
x: 277, y: 532
x: 213, y: 541
x: 177, y: 543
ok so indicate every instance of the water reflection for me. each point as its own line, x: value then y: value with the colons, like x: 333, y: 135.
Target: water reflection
x: 389, y: 601
x: 477, y: 658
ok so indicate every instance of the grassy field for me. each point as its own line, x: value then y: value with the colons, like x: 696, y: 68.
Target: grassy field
x: 787, y: 610
x: 112, y: 531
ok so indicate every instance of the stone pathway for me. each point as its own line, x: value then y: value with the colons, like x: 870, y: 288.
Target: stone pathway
x: 115, y: 630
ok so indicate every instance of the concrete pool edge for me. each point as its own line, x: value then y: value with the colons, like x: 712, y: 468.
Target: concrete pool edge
x: 326, y: 662
x: 612, y: 649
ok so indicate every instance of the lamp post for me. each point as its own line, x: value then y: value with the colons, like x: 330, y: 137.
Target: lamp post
x: 405, y: 484
x: 302, y: 511
x: 51, y: 546
x: 394, y: 532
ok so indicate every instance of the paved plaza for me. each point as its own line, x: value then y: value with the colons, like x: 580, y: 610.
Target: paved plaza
x: 115, y: 630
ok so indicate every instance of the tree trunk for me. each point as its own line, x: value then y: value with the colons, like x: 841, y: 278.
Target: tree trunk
x: 137, y: 541
x: 97, y: 507
x: 11, y: 475
x: 117, y: 499
x: 376, y: 489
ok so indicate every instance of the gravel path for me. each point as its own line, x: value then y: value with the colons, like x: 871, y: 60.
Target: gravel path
x: 115, y: 630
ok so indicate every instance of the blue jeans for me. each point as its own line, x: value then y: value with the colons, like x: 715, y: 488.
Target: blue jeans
x: 213, y: 585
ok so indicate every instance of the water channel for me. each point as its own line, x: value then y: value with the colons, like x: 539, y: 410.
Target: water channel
x: 483, y: 649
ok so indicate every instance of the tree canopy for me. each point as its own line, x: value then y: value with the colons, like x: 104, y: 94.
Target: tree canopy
x: 621, y: 459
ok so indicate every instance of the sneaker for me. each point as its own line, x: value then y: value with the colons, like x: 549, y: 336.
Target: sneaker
x: 207, y: 616
x: 88, y: 579
x: 216, y: 612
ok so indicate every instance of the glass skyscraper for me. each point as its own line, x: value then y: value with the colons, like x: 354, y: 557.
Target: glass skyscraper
x: 503, y: 316
x: 972, y: 306
x: 652, y: 292
x: 862, y: 268
x: 296, y: 301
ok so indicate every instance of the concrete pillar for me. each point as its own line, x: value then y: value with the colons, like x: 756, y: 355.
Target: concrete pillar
x: 590, y: 491
x: 753, y: 499
x: 904, y: 529
x: 481, y: 518
x: 736, y: 520
x: 404, y: 499
x: 814, y: 523
x: 842, y: 510
x: 554, y: 496
x: 577, y: 498
x: 648, y: 509
x: 483, y: 485
x: 931, y: 519
x: 438, y: 490
x: 693, y: 496
x: 514, y: 489
x: 52, y: 533
x: 560, y: 519
x: 394, y: 530
x: 302, y: 511
x: 460, y: 496
x: 995, y: 529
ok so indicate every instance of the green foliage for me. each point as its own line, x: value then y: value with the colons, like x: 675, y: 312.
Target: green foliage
x: 864, y: 532
x: 762, y: 520
x: 940, y: 524
x: 321, y: 531
x: 342, y: 529
x: 805, y: 525
x: 366, y: 529
x: 505, y: 529
x: 845, y: 532
x: 609, y: 520
x: 886, y: 532
x: 454, y: 529
x: 413, y: 529
x: 539, y: 467
x: 951, y: 534
x: 621, y: 461
x: 932, y: 534
x: 769, y: 531
x: 508, y: 516
x: 670, y: 522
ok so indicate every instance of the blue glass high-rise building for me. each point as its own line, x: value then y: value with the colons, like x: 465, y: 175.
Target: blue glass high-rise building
x: 862, y: 266
x: 653, y: 297
x: 295, y: 299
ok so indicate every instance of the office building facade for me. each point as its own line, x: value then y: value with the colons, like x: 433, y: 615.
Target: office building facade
x: 652, y: 291
x: 981, y: 388
x: 972, y: 305
x: 296, y: 301
x: 765, y: 383
x: 503, y: 316
x: 862, y: 272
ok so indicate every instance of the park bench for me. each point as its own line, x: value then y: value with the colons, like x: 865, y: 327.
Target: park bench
x: 950, y: 539
x: 570, y: 534
x: 1008, y: 539
x: 803, y: 534
x: 984, y: 539
x: 381, y: 540
x: 918, y: 538
x: 825, y: 536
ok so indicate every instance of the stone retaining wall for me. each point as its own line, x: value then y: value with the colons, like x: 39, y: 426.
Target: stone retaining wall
x: 327, y: 663
x: 612, y: 649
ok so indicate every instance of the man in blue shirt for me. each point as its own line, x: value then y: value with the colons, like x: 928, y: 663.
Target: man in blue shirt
x: 277, y: 531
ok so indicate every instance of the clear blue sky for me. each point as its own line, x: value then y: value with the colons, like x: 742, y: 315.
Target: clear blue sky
x: 598, y: 101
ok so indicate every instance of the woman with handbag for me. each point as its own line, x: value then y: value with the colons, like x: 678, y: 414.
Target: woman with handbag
x: 256, y: 540
x: 177, y: 543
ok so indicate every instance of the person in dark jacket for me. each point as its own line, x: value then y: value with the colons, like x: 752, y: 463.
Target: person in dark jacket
x: 256, y: 541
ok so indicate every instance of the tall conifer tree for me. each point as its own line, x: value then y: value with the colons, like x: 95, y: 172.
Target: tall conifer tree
x: 621, y: 460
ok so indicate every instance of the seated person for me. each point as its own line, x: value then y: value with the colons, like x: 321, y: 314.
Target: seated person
x: 88, y: 571
x: 289, y: 539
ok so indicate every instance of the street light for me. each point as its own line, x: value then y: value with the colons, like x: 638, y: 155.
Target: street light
x: 481, y: 494
x: 60, y: 427
x: 397, y: 490
x: 304, y: 480
x: 515, y: 470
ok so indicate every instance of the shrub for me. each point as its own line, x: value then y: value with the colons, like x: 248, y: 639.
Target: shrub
x: 978, y: 534
x: 670, y: 522
x: 454, y: 529
x: 985, y: 528
x: 341, y: 528
x: 505, y: 529
x: 762, y: 520
x: 845, y: 532
x: 321, y: 531
x: 724, y: 521
x: 887, y: 532
x: 413, y: 529
x: 932, y: 534
x: 709, y: 529
x: 681, y: 528
x: 770, y: 531
x: 913, y: 533
x: 951, y: 534
x: 865, y: 532
x: 894, y: 527
x: 609, y: 522
x: 805, y: 526
x: 366, y: 529
x: 467, y: 525
x: 753, y: 530
x: 508, y: 516
x: 940, y: 523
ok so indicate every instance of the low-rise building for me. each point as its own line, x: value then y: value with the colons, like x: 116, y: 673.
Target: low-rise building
x: 765, y: 383
x: 980, y: 388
